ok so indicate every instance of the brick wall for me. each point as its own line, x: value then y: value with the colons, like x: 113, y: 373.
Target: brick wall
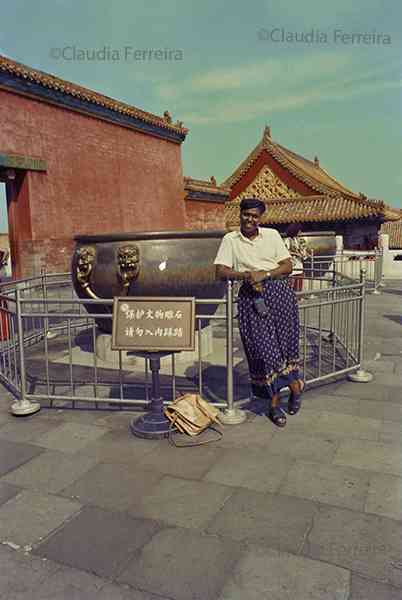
x: 204, y: 215
x: 101, y: 178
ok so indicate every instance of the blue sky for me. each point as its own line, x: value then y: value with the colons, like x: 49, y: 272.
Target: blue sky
x: 336, y: 96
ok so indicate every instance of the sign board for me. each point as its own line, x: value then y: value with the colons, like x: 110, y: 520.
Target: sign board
x: 153, y: 324
x: 15, y: 161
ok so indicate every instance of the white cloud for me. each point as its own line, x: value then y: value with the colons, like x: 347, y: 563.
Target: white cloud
x: 275, y: 85
x: 262, y: 74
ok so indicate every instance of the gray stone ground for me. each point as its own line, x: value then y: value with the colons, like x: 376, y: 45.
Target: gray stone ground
x: 313, y: 511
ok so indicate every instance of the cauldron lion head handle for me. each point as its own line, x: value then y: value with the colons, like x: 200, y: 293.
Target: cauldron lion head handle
x: 128, y: 264
x: 85, y: 261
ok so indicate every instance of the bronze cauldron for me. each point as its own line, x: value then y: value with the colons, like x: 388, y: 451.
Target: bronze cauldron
x: 165, y: 263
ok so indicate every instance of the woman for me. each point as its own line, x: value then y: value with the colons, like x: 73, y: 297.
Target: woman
x: 268, y: 311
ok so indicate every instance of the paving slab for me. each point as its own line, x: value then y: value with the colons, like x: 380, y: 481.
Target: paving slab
x: 385, y: 496
x: 67, y: 584
x: 13, y: 454
x: 30, y: 516
x: 250, y: 468
x: 5, y: 415
x: 50, y: 472
x: 26, y: 429
x: 113, y: 486
x: 398, y: 368
x: 21, y: 573
x: 70, y: 437
x: 373, y: 456
x: 367, y: 589
x: 119, y: 445
x: 112, y: 591
x: 197, y: 564
x: 385, y: 411
x: 391, y: 432
x: 331, y: 403
x: 7, y: 491
x: 329, y: 484
x: 379, y: 366
x: 72, y: 584
x: 366, y: 544
x: 365, y: 391
x: 255, y: 433
x: 268, y: 519
x: 390, y: 380
x: 344, y: 426
x: 183, y: 502
x: 116, y: 419
x: 97, y: 541
x: 190, y: 463
x: 267, y: 573
x: 303, y: 446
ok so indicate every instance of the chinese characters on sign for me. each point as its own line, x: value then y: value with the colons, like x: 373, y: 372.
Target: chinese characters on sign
x: 153, y: 324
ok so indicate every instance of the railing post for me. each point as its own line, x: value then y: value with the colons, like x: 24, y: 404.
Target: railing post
x: 331, y: 336
x: 49, y: 334
x: 311, y: 296
x: 361, y: 376
x: 381, y: 284
x: 231, y: 415
x: 377, y: 274
x: 23, y: 406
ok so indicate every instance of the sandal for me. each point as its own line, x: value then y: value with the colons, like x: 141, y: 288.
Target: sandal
x: 295, y: 400
x: 277, y: 416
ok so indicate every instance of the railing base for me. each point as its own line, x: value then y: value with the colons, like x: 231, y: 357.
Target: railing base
x: 361, y: 376
x: 233, y: 416
x: 22, y: 408
x: 151, y: 426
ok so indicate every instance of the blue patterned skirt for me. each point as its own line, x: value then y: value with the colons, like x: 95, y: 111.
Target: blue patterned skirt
x: 271, y: 342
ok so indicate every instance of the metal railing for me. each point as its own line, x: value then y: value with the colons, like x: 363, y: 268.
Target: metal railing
x: 48, y: 352
x: 349, y: 263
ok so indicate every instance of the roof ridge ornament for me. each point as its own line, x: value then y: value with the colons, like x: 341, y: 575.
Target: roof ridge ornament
x: 267, y: 133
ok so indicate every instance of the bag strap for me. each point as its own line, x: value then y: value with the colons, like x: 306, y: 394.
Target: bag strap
x: 193, y: 442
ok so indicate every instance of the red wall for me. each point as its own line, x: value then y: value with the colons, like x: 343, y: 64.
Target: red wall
x: 101, y: 178
x: 204, y: 215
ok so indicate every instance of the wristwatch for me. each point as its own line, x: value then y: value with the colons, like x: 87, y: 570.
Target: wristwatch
x: 269, y: 276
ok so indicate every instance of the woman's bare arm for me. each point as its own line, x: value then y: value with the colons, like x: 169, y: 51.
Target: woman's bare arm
x: 224, y: 273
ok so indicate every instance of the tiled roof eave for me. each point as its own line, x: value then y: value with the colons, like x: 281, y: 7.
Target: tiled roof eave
x: 201, y: 185
x: 311, y: 209
x: 32, y: 80
x: 313, y: 184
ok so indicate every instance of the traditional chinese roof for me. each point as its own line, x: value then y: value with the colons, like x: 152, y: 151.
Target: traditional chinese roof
x: 307, y: 171
x: 35, y: 78
x: 310, y: 209
x: 394, y: 231
x: 200, y: 189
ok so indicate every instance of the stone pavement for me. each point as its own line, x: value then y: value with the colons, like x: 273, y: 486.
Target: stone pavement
x: 313, y: 511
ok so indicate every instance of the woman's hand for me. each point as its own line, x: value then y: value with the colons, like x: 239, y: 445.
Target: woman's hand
x: 257, y: 276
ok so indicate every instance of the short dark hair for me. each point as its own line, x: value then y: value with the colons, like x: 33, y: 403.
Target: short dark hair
x: 247, y: 203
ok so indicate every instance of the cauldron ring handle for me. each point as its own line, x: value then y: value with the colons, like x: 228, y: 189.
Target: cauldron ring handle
x: 85, y: 262
x: 128, y: 264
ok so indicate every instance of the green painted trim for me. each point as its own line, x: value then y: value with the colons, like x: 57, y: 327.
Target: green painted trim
x: 16, y: 161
